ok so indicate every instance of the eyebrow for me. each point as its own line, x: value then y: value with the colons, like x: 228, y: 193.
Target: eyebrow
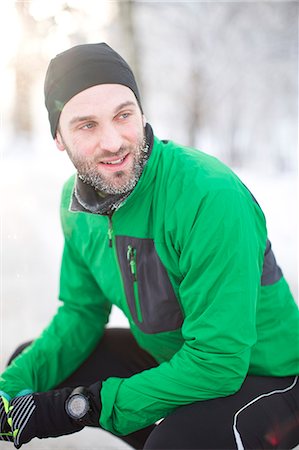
x: 78, y: 119
x: 124, y: 105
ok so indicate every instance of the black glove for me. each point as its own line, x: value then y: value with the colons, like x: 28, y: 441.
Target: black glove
x: 44, y: 415
x: 5, y: 430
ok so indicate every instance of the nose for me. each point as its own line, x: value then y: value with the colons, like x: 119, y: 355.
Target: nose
x: 109, y: 139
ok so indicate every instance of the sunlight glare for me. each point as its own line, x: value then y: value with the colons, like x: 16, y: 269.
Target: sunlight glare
x: 42, y: 10
x: 10, y: 32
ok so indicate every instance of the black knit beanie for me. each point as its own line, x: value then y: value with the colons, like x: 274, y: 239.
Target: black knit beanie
x: 79, y: 68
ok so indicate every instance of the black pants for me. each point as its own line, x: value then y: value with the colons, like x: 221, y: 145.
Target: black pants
x: 263, y: 414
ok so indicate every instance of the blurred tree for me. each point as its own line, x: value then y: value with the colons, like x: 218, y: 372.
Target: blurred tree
x: 193, y: 107
x: 26, y: 63
x: 217, y: 75
x: 31, y: 59
x: 123, y: 35
x: 223, y: 76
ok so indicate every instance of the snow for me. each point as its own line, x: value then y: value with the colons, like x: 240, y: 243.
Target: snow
x: 32, y: 239
x: 234, y: 64
x: 31, y: 244
x: 87, y: 439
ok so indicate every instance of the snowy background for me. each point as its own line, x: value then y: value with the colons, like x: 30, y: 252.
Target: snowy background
x: 221, y: 76
x: 31, y: 249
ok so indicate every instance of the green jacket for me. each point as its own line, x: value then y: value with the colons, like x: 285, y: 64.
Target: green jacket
x: 186, y: 258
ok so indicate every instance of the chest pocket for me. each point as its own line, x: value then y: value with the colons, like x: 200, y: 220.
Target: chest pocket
x: 150, y: 296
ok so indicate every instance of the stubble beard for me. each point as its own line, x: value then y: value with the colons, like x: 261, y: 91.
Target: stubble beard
x: 120, y: 182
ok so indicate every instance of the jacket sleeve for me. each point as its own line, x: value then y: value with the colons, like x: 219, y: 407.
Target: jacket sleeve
x: 70, y: 337
x: 221, y: 255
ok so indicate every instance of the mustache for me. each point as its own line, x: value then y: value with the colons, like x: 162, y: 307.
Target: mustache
x: 123, y: 151
x: 120, y: 153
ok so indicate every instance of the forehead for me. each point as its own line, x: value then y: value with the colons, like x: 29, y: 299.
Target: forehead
x: 98, y: 99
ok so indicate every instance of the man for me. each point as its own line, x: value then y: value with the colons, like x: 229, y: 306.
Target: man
x: 173, y: 238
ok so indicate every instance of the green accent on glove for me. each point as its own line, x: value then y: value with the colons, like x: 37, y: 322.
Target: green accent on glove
x: 5, y: 434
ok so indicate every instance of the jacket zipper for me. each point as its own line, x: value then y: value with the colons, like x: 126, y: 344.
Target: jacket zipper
x: 112, y: 245
x: 131, y: 257
x: 110, y: 231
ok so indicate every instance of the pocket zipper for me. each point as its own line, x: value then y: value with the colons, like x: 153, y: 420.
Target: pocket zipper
x: 131, y: 257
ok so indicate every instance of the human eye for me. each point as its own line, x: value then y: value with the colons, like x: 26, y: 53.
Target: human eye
x: 87, y: 126
x: 124, y: 115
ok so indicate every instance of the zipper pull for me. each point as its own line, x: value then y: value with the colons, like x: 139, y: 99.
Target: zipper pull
x: 131, y: 257
x: 110, y: 231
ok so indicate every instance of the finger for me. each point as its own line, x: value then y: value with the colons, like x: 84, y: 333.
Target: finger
x: 20, y: 413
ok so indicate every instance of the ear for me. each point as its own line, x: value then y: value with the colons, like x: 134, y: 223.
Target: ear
x: 59, y: 142
x: 144, y: 120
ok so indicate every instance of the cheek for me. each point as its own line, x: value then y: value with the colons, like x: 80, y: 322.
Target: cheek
x: 134, y: 134
x: 83, y: 147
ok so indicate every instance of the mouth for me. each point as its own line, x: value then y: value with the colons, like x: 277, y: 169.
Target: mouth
x: 114, y: 164
x: 117, y: 161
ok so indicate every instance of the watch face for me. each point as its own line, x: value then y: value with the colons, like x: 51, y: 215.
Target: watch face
x: 77, y: 406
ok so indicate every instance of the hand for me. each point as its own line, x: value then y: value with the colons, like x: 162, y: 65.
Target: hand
x: 5, y: 430
x: 44, y: 415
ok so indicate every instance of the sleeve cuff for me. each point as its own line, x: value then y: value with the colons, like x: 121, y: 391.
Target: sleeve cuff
x: 24, y: 392
x: 6, y: 396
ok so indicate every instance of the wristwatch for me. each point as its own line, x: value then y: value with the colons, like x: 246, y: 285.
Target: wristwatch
x: 77, y: 404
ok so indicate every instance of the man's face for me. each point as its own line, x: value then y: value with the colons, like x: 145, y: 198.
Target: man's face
x: 102, y: 130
